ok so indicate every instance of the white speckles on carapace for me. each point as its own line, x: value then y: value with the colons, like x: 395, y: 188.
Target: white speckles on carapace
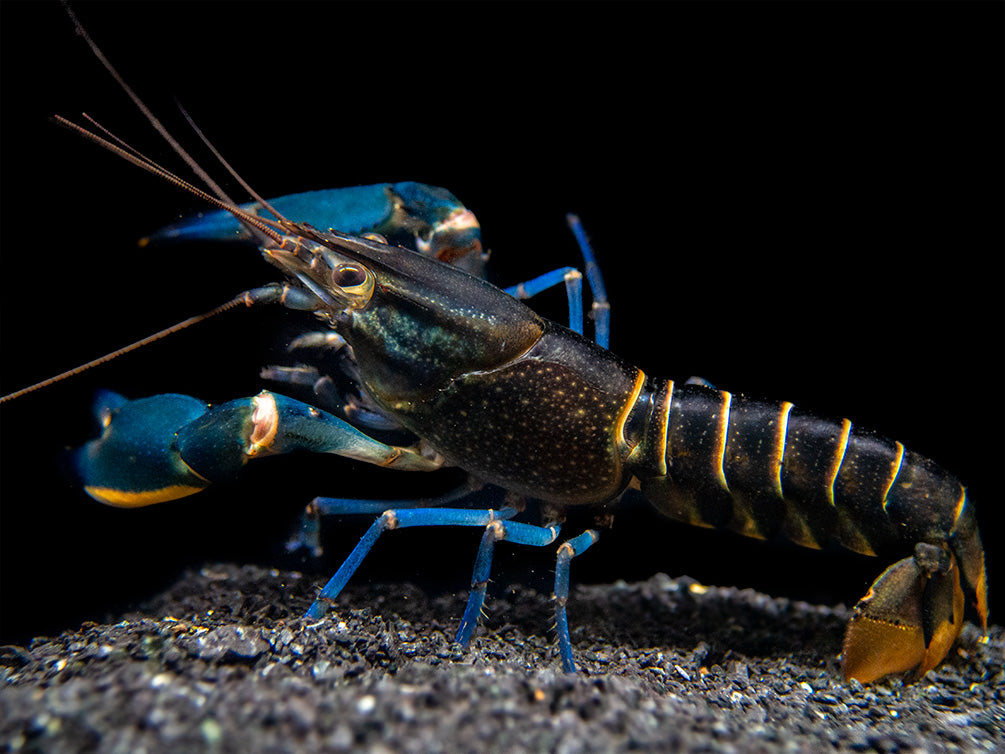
x: 543, y: 429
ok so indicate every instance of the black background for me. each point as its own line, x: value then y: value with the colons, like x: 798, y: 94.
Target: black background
x: 794, y: 201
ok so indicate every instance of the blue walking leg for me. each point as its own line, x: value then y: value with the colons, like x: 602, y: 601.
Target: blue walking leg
x: 568, y: 550
x: 601, y: 306
x: 307, y: 535
x: 398, y: 519
x: 573, y: 280
x: 523, y: 534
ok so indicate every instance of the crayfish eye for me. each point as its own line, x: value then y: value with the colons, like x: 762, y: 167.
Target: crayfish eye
x: 348, y: 276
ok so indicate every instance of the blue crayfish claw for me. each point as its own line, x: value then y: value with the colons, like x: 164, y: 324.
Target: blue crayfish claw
x: 165, y: 447
x: 135, y: 461
x: 428, y: 219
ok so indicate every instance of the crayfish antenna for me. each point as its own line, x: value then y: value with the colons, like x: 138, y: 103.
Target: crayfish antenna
x: 263, y: 227
x: 236, y: 301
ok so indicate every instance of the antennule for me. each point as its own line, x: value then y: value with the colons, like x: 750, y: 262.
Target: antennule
x: 129, y: 154
x: 151, y: 118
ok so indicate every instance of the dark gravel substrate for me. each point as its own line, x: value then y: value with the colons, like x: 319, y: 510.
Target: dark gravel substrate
x: 220, y: 663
